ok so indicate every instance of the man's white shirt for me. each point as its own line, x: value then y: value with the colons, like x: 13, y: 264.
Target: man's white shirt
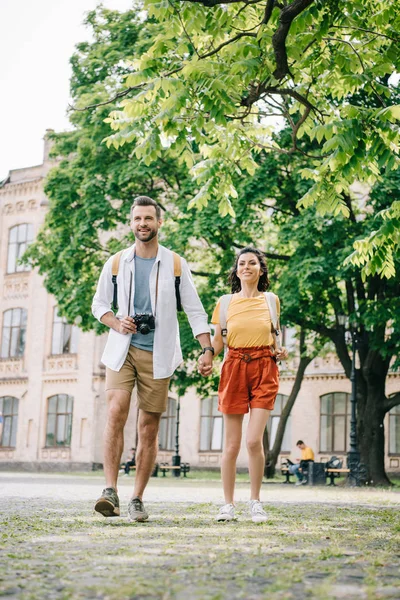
x: 167, y: 354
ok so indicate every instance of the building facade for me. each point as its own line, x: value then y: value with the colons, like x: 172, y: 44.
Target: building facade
x: 52, y: 399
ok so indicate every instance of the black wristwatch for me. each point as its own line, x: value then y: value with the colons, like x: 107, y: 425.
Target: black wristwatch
x: 210, y: 348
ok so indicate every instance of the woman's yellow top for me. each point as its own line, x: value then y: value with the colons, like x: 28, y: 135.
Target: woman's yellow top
x: 248, y: 321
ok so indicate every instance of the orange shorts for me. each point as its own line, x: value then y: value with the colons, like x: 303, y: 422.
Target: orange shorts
x: 249, y: 379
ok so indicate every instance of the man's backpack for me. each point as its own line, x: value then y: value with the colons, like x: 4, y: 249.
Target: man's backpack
x: 271, y: 300
x: 177, y: 275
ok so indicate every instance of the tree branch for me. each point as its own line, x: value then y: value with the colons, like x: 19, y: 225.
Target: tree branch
x: 237, y: 37
x: 392, y: 402
x: 288, y: 14
x: 366, y: 30
x: 268, y: 11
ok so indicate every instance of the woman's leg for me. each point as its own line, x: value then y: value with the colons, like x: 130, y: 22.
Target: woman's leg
x: 255, y: 431
x: 232, y: 440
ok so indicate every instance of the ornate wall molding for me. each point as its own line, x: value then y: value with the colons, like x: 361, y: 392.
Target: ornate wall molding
x: 11, y: 367
x: 56, y: 454
x: 60, y: 380
x: 20, y: 206
x: 16, y: 285
x: 62, y: 363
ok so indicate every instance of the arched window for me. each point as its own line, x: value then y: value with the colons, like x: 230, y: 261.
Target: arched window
x: 59, y: 420
x: 8, y: 421
x: 394, y: 430
x: 166, y: 436
x: 335, y: 414
x: 19, y: 239
x: 273, y: 423
x: 13, y: 334
x: 64, y: 336
x: 211, y: 425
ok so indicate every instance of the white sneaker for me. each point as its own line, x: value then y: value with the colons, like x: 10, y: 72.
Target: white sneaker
x: 226, y: 513
x: 299, y: 483
x: 258, y: 514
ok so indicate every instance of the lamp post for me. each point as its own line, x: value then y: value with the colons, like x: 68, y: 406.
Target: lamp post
x: 353, y: 455
x: 176, y: 459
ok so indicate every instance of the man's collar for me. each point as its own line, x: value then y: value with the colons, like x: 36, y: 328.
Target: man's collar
x: 131, y: 253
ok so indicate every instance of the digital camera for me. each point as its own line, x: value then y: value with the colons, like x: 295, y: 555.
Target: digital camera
x: 144, y: 322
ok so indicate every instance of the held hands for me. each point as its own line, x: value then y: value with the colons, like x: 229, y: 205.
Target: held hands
x: 126, y: 325
x: 205, y: 363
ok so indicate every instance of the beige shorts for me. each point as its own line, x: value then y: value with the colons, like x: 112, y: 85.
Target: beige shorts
x: 152, y: 393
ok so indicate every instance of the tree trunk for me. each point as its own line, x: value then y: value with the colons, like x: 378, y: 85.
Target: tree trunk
x: 271, y: 456
x: 371, y: 413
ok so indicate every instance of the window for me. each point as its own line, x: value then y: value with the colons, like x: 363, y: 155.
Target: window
x: 65, y: 336
x: 59, y: 420
x: 8, y: 421
x: 335, y: 422
x: 13, y: 335
x: 166, y: 436
x: 19, y: 239
x: 211, y: 425
x: 394, y: 430
x: 273, y: 423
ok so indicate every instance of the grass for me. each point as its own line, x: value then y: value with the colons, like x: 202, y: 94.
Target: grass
x: 61, y: 550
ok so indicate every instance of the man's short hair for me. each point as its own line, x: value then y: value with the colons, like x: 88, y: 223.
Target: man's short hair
x: 300, y: 443
x: 146, y: 201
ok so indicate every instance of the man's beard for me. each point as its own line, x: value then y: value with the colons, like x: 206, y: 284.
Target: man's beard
x: 151, y: 234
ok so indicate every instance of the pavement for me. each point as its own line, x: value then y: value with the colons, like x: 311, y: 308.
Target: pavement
x: 321, y: 542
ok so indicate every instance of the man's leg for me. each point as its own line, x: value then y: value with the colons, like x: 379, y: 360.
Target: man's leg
x: 118, y: 410
x: 148, y: 425
x: 295, y: 470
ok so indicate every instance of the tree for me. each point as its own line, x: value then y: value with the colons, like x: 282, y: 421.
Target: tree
x: 91, y: 189
x: 318, y: 288
x: 217, y: 75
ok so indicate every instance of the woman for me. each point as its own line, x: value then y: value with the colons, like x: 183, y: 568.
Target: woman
x: 249, y: 377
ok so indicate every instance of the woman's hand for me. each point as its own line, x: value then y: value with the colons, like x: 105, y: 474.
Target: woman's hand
x: 205, y: 365
x: 281, y: 354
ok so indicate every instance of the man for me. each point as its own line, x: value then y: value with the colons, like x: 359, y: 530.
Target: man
x: 307, y: 455
x: 130, y: 462
x: 146, y: 284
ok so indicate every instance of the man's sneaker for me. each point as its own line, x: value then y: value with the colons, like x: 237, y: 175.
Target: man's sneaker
x: 226, y: 513
x: 108, y: 503
x: 258, y: 514
x: 137, y: 511
x: 299, y: 482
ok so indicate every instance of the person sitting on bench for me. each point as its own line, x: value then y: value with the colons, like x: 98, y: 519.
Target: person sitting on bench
x: 307, y: 456
x: 130, y: 462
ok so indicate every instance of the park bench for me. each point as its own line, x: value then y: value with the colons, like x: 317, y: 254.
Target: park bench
x: 183, y: 468
x: 333, y: 469
x: 133, y: 468
x: 333, y: 473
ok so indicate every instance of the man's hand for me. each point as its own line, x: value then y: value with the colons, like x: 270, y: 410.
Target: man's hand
x: 126, y: 325
x: 205, y: 363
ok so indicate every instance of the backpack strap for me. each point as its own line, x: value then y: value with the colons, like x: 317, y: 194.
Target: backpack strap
x: 223, y: 311
x: 114, y: 272
x: 272, y: 301
x: 177, y: 275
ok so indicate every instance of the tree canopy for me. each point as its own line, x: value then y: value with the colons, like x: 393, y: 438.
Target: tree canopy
x: 218, y: 78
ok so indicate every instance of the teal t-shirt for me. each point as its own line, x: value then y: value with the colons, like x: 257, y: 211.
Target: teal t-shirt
x: 142, y: 300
